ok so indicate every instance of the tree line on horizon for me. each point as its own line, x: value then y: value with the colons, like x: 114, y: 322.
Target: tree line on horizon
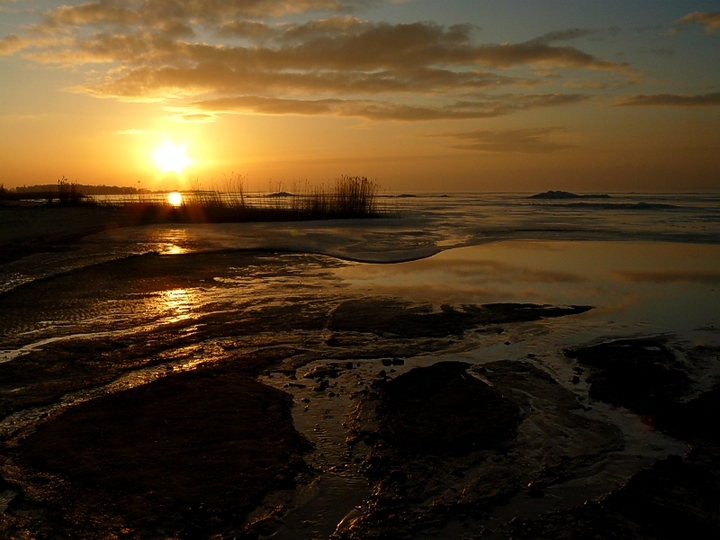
x: 85, y: 189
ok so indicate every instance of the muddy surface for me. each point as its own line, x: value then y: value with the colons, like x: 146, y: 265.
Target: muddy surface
x: 677, y: 497
x: 185, y: 455
x: 158, y: 397
x: 26, y: 228
x: 504, y: 451
x: 456, y: 446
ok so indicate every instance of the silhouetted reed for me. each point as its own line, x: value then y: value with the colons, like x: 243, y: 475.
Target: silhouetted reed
x: 350, y: 197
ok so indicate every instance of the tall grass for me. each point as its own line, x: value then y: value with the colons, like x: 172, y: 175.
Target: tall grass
x: 349, y: 197
x: 68, y: 193
x: 355, y: 196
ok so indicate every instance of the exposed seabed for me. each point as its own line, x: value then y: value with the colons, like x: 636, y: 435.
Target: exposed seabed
x: 486, y: 392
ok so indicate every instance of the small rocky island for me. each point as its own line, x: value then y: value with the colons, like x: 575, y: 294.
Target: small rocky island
x: 563, y: 195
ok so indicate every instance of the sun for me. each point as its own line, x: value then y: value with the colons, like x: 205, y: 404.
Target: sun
x: 175, y: 198
x: 171, y: 158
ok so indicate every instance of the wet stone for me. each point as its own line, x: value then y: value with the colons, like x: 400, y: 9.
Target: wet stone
x: 322, y: 386
x: 441, y: 409
x: 672, y: 499
x: 642, y: 375
x: 391, y: 318
x: 322, y: 372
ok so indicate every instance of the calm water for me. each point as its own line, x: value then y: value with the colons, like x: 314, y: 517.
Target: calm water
x: 647, y: 263
x: 427, y: 224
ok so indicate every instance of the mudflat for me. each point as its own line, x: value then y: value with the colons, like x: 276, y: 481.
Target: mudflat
x: 244, y: 394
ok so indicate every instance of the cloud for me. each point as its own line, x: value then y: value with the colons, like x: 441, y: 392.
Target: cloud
x: 568, y: 34
x: 91, y: 13
x: 662, y: 51
x: 535, y: 52
x: 152, y: 83
x: 131, y: 131
x: 533, y: 140
x: 203, y: 12
x: 193, y: 117
x: 711, y: 21
x: 340, y: 55
x: 237, y: 54
x: 383, y: 110
x: 11, y: 44
x: 670, y: 100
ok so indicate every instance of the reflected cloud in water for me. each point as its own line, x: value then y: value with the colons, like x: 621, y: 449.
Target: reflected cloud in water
x: 658, y: 286
x: 697, y: 276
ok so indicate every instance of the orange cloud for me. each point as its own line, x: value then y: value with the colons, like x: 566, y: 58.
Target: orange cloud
x: 131, y: 131
x: 379, y: 110
x: 533, y: 140
x: 11, y: 44
x: 711, y: 21
x: 339, y: 65
x: 92, y: 13
x: 670, y: 100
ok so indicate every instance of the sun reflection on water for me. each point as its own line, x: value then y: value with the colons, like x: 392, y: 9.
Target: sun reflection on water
x: 173, y: 242
x: 176, y: 303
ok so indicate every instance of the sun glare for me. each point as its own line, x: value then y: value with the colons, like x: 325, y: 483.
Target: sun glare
x: 175, y: 198
x: 171, y: 158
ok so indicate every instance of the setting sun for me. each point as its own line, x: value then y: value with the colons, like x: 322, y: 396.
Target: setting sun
x: 175, y: 198
x: 171, y: 158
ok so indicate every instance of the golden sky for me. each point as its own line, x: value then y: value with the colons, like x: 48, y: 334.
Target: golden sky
x: 423, y: 95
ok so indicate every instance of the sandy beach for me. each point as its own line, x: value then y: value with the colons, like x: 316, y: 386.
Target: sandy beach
x: 278, y: 391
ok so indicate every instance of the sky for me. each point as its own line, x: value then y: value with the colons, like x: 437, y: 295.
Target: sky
x: 419, y: 95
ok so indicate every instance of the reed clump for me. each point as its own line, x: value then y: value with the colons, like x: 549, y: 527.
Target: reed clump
x: 349, y: 197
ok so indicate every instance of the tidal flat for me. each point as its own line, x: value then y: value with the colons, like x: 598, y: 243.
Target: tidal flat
x: 256, y: 381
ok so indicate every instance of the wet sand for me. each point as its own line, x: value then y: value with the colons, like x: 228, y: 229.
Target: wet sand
x: 28, y: 228
x: 253, y: 394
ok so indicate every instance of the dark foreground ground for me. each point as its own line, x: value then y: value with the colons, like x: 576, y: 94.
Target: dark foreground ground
x: 148, y: 425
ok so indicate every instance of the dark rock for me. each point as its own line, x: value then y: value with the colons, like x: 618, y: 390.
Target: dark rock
x: 322, y: 386
x: 535, y: 490
x: 642, y: 375
x: 398, y: 475
x: 441, y: 409
x: 393, y: 318
x: 158, y: 449
x: 564, y: 195
x: 322, y: 372
x: 670, y: 500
